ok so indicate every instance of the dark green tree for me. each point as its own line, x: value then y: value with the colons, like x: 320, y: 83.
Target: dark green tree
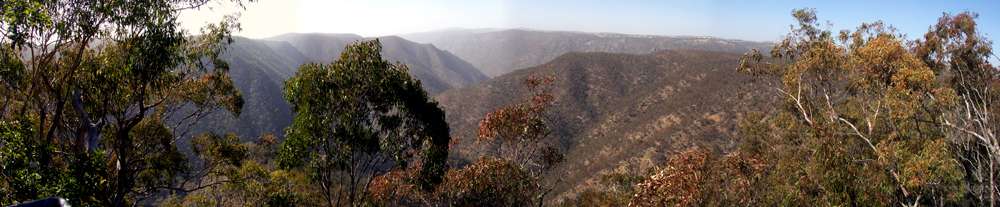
x: 93, y: 89
x: 234, y: 173
x: 359, y: 117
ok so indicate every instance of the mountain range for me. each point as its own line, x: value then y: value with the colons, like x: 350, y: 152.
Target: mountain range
x: 260, y: 67
x: 497, y: 52
x: 437, y: 70
x: 622, y: 101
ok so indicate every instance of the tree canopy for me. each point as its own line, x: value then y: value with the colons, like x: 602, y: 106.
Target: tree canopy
x: 867, y: 119
x: 356, y: 118
x: 94, y: 89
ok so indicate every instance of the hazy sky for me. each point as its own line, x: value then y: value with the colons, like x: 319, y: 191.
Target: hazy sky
x: 749, y: 20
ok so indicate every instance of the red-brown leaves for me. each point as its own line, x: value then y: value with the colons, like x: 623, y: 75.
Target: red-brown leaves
x: 522, y: 121
x: 395, y: 187
x: 511, y: 123
x: 489, y: 182
x: 679, y: 184
x: 696, y: 177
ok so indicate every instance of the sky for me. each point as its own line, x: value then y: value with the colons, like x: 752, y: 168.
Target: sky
x: 765, y: 20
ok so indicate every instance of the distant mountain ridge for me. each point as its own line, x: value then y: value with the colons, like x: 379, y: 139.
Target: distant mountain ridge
x: 438, y: 70
x: 500, y: 51
x: 260, y: 67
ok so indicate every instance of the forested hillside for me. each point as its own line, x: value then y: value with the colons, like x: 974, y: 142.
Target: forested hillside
x: 617, y: 112
x: 113, y: 103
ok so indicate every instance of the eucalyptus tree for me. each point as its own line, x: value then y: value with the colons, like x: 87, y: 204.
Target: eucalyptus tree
x: 860, y: 107
x: 94, y: 93
x: 955, y: 49
x: 359, y: 117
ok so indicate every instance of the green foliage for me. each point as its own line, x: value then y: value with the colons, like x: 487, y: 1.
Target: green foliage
x: 23, y: 177
x: 866, y: 121
x: 80, y: 176
x: 958, y: 53
x: 234, y: 173
x: 224, y: 149
x: 860, y: 108
x: 11, y: 68
x: 99, y: 91
x: 357, y: 115
x: 156, y: 160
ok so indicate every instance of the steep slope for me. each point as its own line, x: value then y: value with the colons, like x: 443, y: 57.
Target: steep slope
x: 318, y: 47
x: 618, y: 110
x: 438, y: 70
x: 260, y: 68
x: 497, y: 52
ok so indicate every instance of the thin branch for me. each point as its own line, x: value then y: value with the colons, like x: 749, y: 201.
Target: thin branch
x: 877, y: 154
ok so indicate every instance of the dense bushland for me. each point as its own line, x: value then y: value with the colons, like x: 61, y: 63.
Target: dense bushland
x: 98, y: 98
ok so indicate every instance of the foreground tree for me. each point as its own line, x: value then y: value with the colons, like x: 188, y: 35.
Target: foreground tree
x: 489, y: 182
x: 861, y: 108
x: 697, y: 177
x: 956, y: 50
x: 91, y: 88
x: 510, y: 175
x: 234, y: 173
x: 360, y: 117
x: 612, y: 189
x: 518, y: 133
x: 485, y: 182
